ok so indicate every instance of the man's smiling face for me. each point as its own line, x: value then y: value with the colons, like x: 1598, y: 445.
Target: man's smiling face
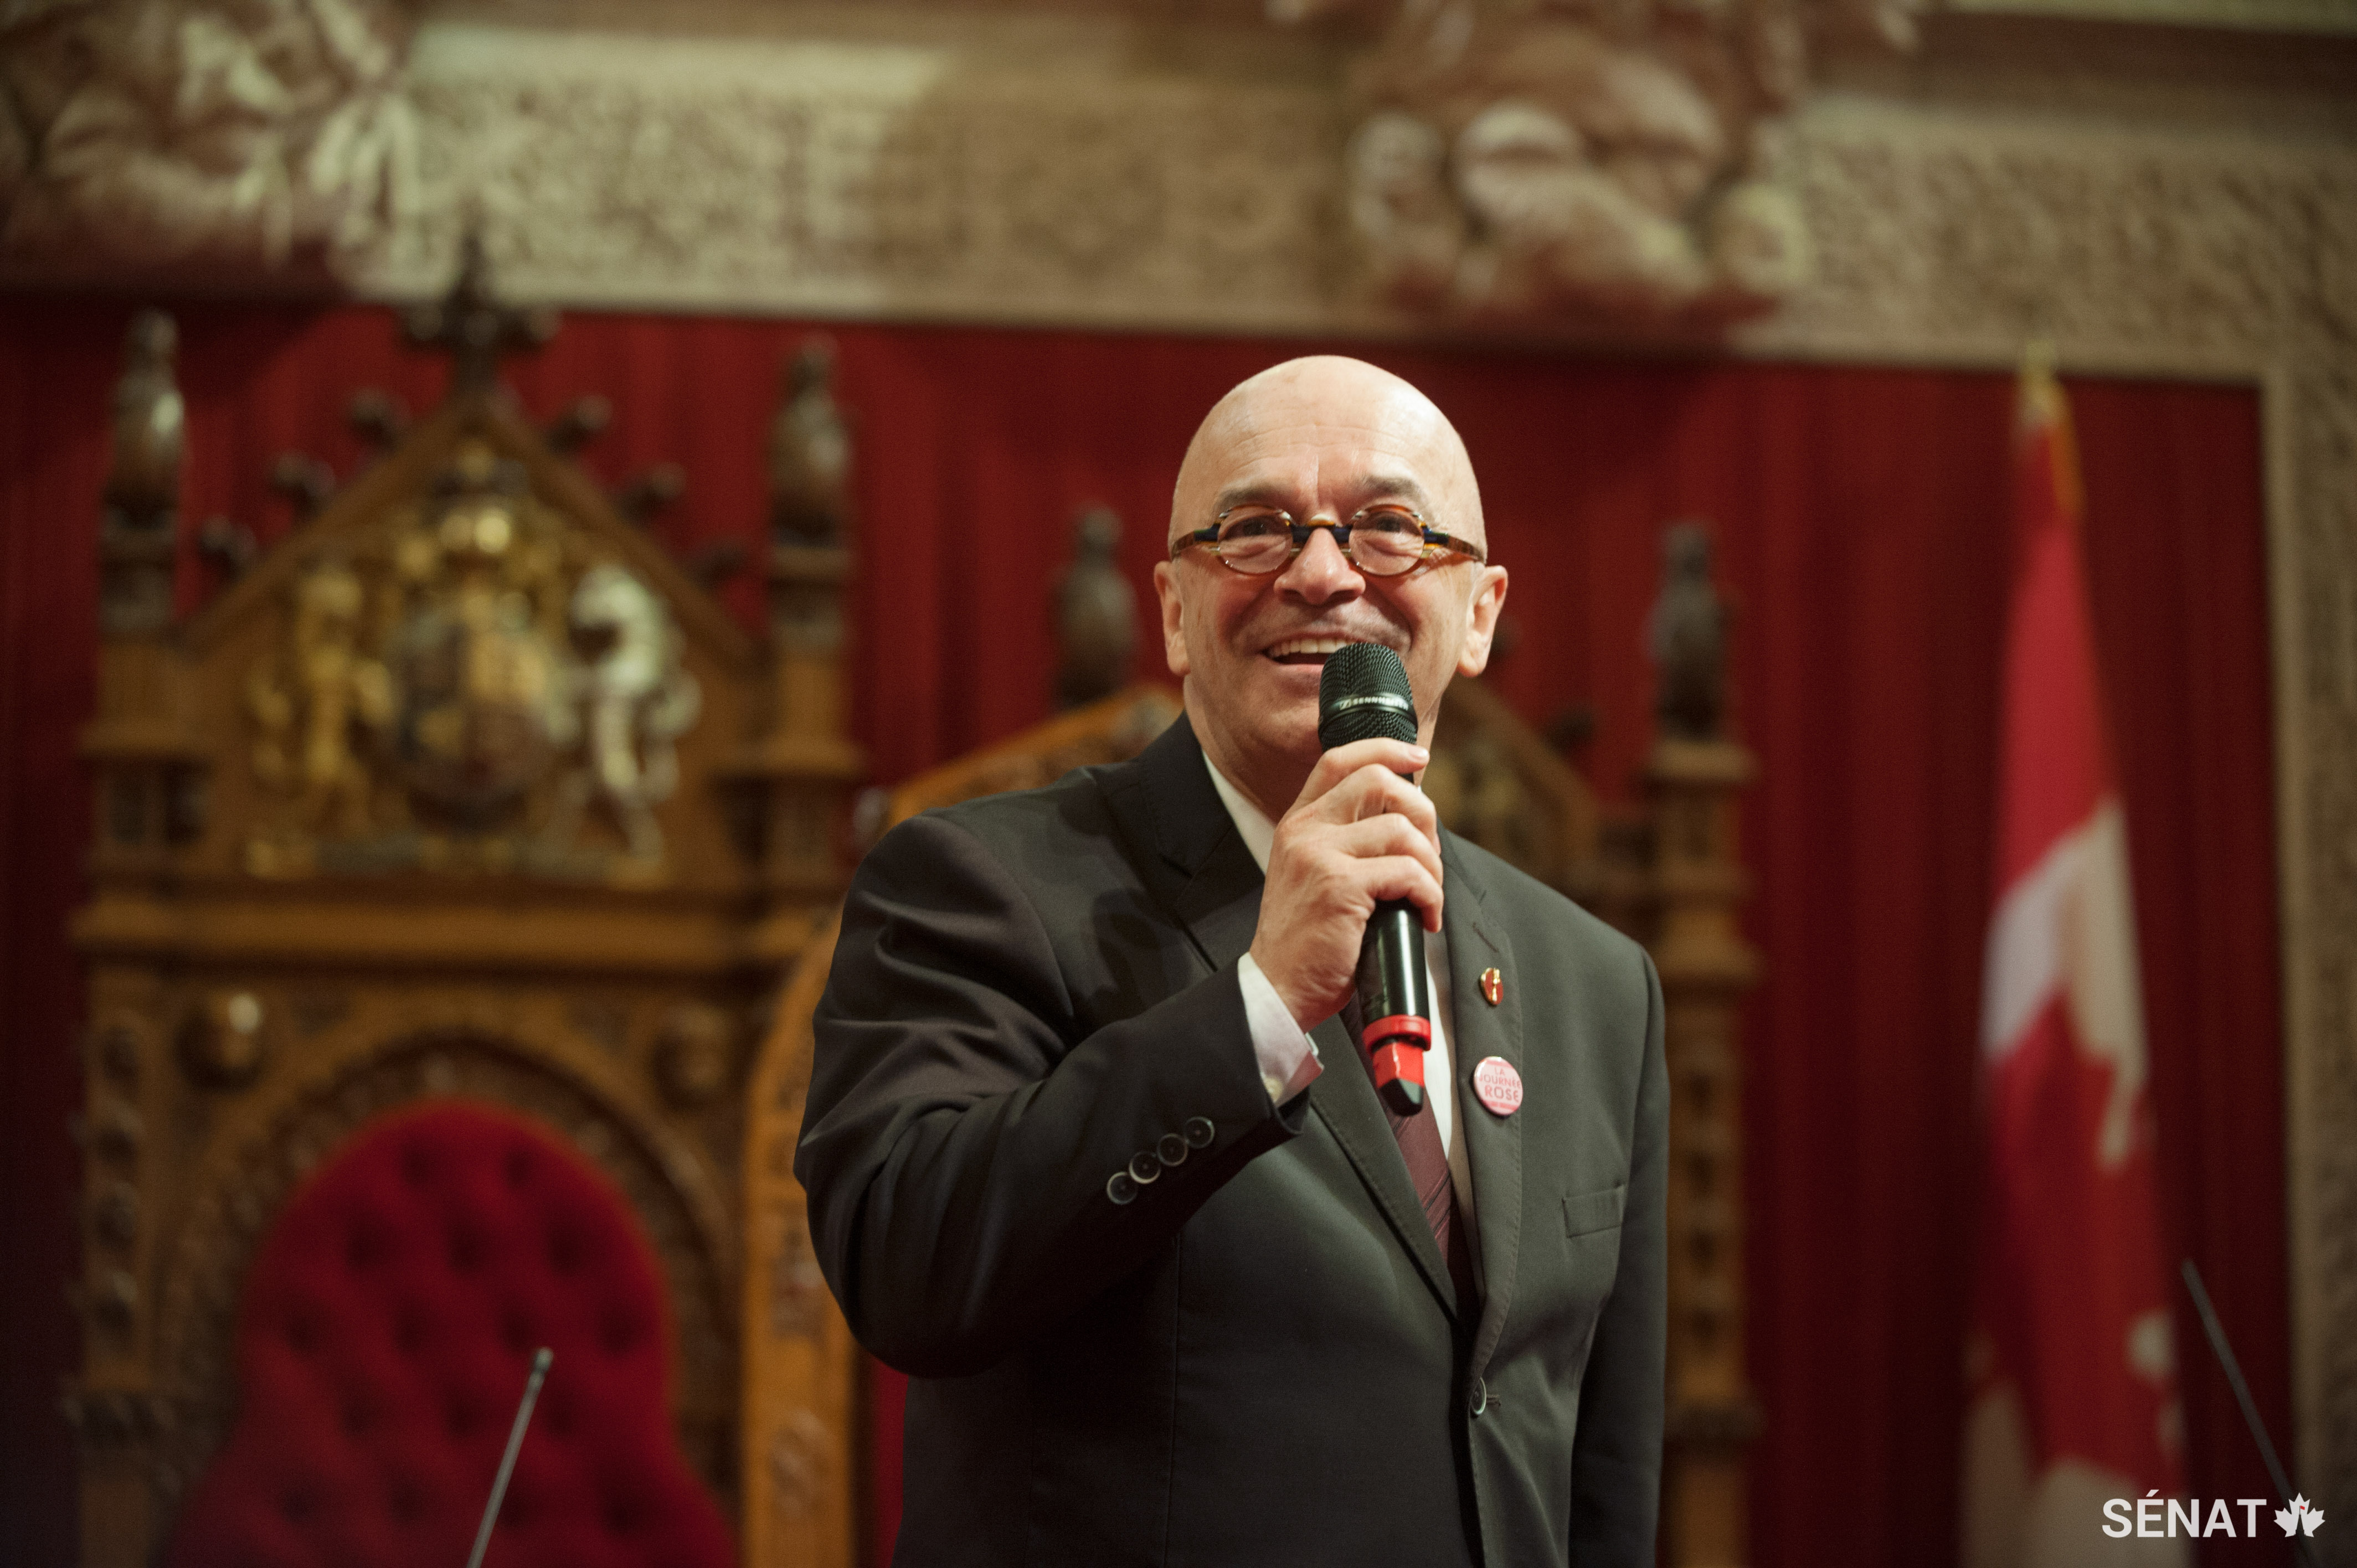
x: 1319, y: 438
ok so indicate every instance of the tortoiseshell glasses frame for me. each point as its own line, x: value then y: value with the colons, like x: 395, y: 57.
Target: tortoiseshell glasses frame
x: 1379, y: 541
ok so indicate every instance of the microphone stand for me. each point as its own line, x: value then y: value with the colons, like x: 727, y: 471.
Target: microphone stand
x: 540, y: 1361
x: 2234, y: 1369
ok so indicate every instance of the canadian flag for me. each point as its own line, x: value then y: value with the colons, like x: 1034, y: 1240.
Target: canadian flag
x: 2071, y: 1378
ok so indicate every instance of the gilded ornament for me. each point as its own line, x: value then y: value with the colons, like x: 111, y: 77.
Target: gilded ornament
x: 116, y: 1215
x: 798, y: 1298
x: 221, y: 1042
x: 801, y: 1455
x: 118, y: 1051
x: 1479, y: 793
x: 317, y: 707
x: 628, y: 698
x: 476, y: 726
x: 466, y: 687
x: 696, y: 1057
x: 115, y: 1299
x: 113, y: 1418
x: 117, y: 1131
x: 480, y: 714
x: 600, y: 1019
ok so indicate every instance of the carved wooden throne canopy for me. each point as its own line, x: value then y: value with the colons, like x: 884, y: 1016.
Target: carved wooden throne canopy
x: 464, y: 790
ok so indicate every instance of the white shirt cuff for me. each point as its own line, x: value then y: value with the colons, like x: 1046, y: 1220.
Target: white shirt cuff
x: 1288, y: 1059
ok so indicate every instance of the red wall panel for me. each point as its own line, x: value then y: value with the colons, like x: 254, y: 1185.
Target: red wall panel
x: 1863, y: 536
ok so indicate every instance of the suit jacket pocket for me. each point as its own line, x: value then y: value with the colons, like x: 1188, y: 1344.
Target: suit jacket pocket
x: 1594, y: 1210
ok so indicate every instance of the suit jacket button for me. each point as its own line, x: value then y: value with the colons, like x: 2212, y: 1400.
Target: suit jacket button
x: 1120, y: 1188
x: 1170, y: 1149
x: 1480, y: 1399
x: 1199, y: 1131
x: 1141, y: 1167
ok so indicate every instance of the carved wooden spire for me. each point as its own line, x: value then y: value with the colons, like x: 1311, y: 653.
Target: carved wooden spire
x: 471, y: 324
x: 805, y: 764
x: 1695, y: 777
x: 1687, y: 638
x: 143, y: 483
x: 1096, y: 613
x: 810, y: 453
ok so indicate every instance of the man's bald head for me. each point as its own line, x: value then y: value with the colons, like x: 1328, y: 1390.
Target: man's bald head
x: 1321, y: 409
x: 1322, y: 439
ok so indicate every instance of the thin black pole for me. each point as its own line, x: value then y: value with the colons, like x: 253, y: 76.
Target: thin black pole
x: 2234, y: 1369
x: 540, y: 1361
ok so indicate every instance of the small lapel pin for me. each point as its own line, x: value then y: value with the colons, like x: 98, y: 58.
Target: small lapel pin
x: 1499, y: 1085
x: 1494, y: 986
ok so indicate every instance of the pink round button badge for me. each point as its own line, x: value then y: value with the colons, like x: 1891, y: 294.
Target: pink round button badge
x: 1499, y: 1085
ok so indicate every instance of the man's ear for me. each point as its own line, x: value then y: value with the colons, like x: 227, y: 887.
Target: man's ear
x: 1481, y: 619
x: 1174, y: 620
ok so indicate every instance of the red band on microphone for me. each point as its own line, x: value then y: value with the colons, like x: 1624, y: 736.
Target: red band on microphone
x: 1403, y: 1027
x: 1405, y: 1063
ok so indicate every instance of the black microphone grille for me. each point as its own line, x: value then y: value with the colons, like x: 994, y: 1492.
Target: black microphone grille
x: 1362, y: 694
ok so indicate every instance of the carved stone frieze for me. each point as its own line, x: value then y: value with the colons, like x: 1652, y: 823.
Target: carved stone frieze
x: 1612, y: 161
x: 888, y: 182
x: 202, y: 133
x: 1950, y: 237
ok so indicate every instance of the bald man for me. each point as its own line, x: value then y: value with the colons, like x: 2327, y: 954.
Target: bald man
x: 1092, y: 1157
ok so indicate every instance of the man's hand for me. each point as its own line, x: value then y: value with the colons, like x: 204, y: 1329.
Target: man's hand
x: 1359, y: 835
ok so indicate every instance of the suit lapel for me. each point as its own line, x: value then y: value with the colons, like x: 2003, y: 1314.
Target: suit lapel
x: 1214, y: 889
x: 1344, y: 1098
x: 1220, y: 904
x: 1201, y: 870
x: 1493, y: 1144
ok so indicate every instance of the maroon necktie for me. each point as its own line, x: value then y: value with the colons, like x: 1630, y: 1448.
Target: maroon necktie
x: 1427, y: 1171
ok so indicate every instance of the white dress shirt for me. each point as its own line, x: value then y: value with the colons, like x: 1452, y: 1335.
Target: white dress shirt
x: 1288, y: 1058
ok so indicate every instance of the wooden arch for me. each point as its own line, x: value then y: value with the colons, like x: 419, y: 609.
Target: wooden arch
x: 802, y: 1374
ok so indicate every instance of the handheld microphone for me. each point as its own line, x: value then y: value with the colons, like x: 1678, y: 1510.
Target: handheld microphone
x: 1362, y: 694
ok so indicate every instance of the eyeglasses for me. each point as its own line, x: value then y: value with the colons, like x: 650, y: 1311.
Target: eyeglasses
x: 1381, y: 540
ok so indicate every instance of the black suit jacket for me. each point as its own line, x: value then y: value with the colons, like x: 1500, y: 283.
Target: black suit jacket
x: 1258, y: 1357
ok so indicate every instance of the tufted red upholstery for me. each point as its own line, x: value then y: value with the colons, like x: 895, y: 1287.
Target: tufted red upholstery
x: 382, y: 1343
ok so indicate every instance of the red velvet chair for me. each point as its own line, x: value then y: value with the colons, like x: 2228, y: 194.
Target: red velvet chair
x: 383, y: 1339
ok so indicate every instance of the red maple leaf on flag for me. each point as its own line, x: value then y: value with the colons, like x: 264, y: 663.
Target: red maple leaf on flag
x: 2071, y: 1367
